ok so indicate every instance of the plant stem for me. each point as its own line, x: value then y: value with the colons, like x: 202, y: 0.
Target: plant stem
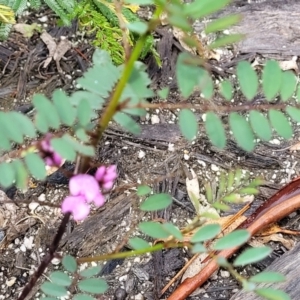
x: 47, y: 259
x: 154, y: 248
x: 115, y: 98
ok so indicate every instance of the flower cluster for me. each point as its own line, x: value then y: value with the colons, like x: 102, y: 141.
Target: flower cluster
x: 85, y: 189
x: 47, y: 152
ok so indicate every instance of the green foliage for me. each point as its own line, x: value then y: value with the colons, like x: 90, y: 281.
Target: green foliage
x: 248, y: 79
x: 90, y: 272
x: 107, y: 36
x: 251, y: 124
x: 272, y: 294
x: 215, y: 130
x: 138, y: 243
x: 188, y: 124
x: 53, y: 289
x: 154, y: 230
x: 85, y: 281
x: 173, y: 230
x: 60, y: 278
x: 267, y: 277
x: 232, y: 239
x: 156, y: 202
x: 93, y: 285
x: 99, y: 83
x: 69, y: 263
x: 252, y: 255
x: 206, y: 232
x: 75, y: 110
x: 232, y: 187
x: 143, y: 190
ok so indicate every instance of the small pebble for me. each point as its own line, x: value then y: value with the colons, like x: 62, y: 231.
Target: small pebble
x: 142, y: 154
x: 23, y: 248
x: 155, y: 119
x: 120, y: 294
x: 42, y: 197
x: 214, y: 168
x: 275, y: 142
x: 139, y: 297
x: 11, y: 281
x: 33, y: 205
x: 123, y: 278
x: 224, y: 274
x: 43, y: 19
x: 55, y: 261
x: 28, y: 242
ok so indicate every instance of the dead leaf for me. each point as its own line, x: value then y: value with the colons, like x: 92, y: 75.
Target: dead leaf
x: 56, y: 52
x: 198, y: 200
x: 62, y: 48
x: 259, y: 241
x: 27, y: 30
x: 51, y: 45
x: 295, y: 147
x: 289, y: 65
x: 163, y: 19
x: 180, y: 35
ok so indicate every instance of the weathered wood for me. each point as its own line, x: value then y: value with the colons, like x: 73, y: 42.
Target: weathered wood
x: 271, y: 27
x: 288, y: 265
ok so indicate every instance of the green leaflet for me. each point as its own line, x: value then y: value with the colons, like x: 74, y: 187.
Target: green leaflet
x: 242, y: 131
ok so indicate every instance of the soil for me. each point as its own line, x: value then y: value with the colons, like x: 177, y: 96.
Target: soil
x: 159, y: 156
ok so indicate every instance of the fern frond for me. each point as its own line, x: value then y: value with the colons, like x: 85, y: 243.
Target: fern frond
x: 67, y: 5
x: 8, y: 3
x: 19, y: 6
x: 58, y: 10
x: 35, y: 4
x: 4, y: 31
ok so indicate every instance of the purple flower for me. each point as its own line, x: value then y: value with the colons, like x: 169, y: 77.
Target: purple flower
x: 85, y: 189
x: 77, y: 206
x: 50, y: 157
x: 84, y: 185
x: 106, y: 176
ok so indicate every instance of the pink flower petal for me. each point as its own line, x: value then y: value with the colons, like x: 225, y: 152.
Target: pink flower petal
x: 99, y: 200
x: 49, y: 161
x: 84, y: 185
x: 100, y: 173
x: 77, y: 206
x: 108, y: 185
x: 57, y: 159
x: 109, y: 177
